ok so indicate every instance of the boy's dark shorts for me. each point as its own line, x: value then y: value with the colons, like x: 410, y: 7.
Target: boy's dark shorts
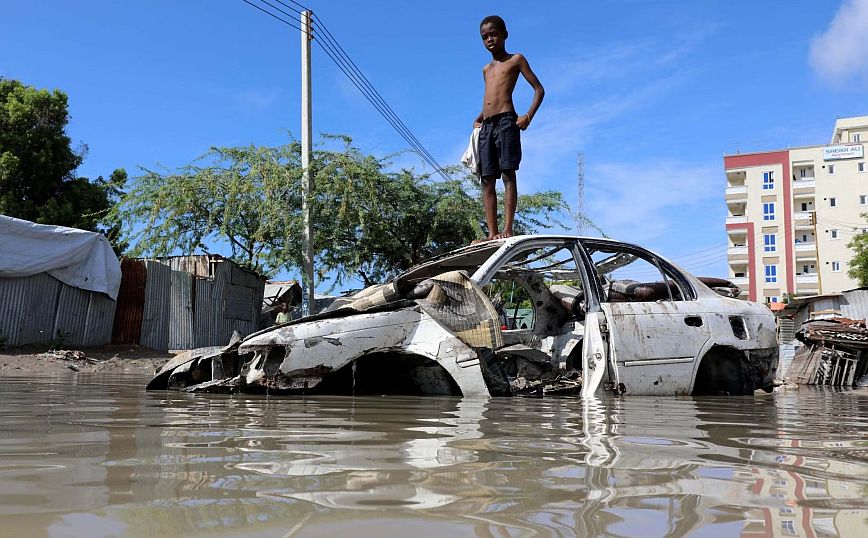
x: 499, y: 144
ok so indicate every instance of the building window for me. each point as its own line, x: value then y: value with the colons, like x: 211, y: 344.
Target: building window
x: 833, y: 234
x: 836, y: 267
x: 803, y: 172
x: 863, y: 199
x: 831, y: 169
x: 768, y: 180
x: 804, y: 206
x: 771, y: 274
x: 769, y: 211
x: 769, y: 242
x: 860, y: 167
x: 833, y: 202
x: 774, y: 299
x: 788, y: 527
x: 857, y: 137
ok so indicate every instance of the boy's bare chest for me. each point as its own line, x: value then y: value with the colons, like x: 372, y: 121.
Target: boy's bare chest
x: 501, y: 72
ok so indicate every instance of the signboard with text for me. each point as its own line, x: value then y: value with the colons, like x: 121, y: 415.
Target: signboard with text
x: 844, y: 151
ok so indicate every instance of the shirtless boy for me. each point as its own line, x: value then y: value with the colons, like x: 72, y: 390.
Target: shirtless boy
x: 499, y: 139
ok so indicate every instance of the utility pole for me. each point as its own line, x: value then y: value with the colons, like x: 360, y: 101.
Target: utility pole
x: 307, y: 301
x: 580, y: 202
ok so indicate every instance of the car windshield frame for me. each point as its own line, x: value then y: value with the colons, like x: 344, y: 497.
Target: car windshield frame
x: 469, y: 258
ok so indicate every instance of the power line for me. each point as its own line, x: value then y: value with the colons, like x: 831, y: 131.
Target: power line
x: 386, y: 110
x: 383, y: 109
x: 329, y: 44
x: 270, y: 14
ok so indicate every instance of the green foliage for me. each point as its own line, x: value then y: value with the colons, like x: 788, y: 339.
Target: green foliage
x: 248, y: 196
x: 369, y: 221
x: 859, y: 262
x: 37, y: 162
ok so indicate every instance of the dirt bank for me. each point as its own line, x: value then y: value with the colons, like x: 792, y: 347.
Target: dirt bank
x: 111, y: 359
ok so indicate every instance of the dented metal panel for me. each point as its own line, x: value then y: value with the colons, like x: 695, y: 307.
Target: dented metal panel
x: 181, y: 310
x: 40, y: 309
x: 71, y: 319
x: 100, y: 318
x: 14, y: 300
x: 156, y: 313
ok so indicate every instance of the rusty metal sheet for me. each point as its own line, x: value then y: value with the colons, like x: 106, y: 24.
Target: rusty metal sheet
x: 195, y: 265
x: 131, y: 302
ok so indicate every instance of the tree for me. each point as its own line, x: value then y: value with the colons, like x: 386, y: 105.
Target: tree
x: 377, y: 223
x: 859, y: 263
x: 370, y: 222
x: 37, y: 161
x: 247, y: 196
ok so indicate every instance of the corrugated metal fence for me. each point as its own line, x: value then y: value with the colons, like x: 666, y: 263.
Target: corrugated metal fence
x: 188, y: 302
x: 40, y: 309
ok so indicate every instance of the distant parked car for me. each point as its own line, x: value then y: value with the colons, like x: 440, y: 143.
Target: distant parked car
x: 530, y: 314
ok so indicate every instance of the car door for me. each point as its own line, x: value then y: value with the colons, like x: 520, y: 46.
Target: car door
x: 656, y: 327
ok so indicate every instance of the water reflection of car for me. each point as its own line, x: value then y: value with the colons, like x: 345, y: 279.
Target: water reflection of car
x: 573, y: 315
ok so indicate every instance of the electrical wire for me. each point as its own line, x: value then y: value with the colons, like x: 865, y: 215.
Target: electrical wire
x: 330, y: 38
x: 384, y: 110
x: 332, y: 48
x: 270, y: 14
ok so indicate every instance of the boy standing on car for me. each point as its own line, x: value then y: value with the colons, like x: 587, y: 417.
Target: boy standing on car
x: 499, y: 138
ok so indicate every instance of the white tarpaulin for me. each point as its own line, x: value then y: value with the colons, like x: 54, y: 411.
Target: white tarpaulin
x: 75, y: 257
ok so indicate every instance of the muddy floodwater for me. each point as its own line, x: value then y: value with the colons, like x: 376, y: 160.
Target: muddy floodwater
x: 97, y: 456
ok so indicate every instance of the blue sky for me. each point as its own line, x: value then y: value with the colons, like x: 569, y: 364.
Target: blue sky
x: 652, y: 92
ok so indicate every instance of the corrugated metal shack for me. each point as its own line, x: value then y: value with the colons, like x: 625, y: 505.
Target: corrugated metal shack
x: 57, y: 285
x: 40, y: 309
x: 826, y: 338
x: 186, y: 302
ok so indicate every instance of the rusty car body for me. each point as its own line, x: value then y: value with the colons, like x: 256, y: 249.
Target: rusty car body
x: 536, y: 314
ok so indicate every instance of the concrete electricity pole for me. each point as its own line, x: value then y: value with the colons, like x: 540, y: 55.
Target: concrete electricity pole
x: 308, y: 303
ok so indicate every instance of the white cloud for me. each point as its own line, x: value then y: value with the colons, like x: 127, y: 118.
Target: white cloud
x: 643, y: 202
x: 840, y: 53
x: 562, y: 130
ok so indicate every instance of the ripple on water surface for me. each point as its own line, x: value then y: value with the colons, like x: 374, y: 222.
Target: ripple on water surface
x: 99, y: 456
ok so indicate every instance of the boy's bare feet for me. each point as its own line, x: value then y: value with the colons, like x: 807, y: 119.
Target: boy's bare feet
x: 486, y: 239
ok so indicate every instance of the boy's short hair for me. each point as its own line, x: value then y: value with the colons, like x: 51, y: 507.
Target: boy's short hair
x: 496, y: 21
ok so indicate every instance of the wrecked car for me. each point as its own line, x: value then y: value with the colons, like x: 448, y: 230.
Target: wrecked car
x: 537, y: 315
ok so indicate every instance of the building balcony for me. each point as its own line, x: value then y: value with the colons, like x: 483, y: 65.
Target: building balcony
x: 810, y: 278
x: 737, y: 251
x: 736, y: 192
x: 740, y: 281
x: 802, y: 217
x: 803, y: 186
x: 736, y: 219
x: 806, y: 247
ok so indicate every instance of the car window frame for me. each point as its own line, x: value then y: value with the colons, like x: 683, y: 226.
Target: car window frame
x: 508, y: 251
x: 688, y: 292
